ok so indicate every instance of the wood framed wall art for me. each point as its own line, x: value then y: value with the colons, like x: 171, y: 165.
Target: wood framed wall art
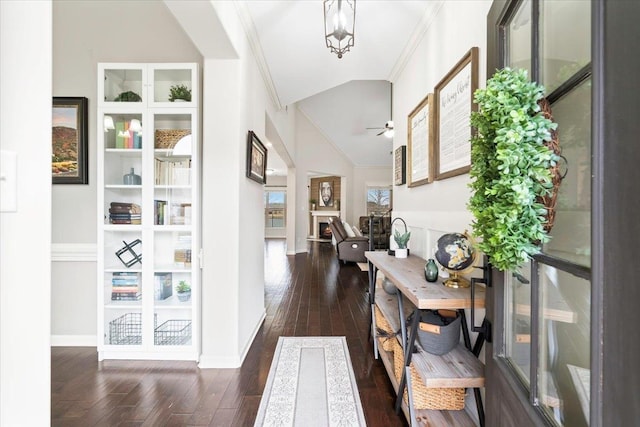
x: 420, y: 136
x: 70, y: 140
x: 399, y: 165
x: 256, y: 159
x: 454, y: 104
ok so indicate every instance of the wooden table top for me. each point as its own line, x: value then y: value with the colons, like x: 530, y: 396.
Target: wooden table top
x: 408, y: 276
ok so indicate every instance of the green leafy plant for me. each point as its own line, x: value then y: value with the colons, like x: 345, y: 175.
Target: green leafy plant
x: 401, y: 239
x: 510, y: 168
x: 183, y: 287
x: 128, y: 96
x: 179, y: 92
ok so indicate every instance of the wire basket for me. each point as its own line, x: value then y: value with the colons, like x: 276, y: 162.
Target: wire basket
x: 168, y: 138
x: 173, y: 332
x: 126, y: 329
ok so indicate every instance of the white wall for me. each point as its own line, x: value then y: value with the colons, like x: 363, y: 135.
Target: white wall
x: 235, y: 100
x: 441, y: 205
x: 83, y: 35
x: 316, y: 154
x: 25, y: 257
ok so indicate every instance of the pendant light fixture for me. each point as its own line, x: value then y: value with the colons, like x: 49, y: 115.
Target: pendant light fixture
x: 339, y: 25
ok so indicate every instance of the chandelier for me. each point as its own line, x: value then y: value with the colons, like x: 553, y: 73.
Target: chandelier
x: 339, y: 25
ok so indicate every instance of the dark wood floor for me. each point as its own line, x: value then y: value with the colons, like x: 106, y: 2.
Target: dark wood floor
x: 306, y: 295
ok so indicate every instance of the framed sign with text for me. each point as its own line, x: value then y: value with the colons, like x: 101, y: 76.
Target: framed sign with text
x: 420, y: 137
x: 454, y: 104
x: 399, y: 168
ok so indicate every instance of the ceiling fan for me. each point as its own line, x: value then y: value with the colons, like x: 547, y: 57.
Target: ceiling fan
x: 387, y: 130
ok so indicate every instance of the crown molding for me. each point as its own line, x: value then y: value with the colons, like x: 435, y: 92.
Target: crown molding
x: 415, y: 39
x: 254, y: 42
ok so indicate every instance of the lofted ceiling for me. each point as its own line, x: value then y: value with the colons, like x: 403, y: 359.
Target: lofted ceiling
x: 342, y: 97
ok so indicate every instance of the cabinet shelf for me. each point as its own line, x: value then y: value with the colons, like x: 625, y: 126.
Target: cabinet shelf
x: 122, y: 187
x: 125, y: 152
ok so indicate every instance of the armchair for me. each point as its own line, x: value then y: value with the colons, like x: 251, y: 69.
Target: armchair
x: 380, y: 229
x: 348, y: 248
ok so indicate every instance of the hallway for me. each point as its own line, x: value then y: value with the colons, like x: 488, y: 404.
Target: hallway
x: 305, y: 295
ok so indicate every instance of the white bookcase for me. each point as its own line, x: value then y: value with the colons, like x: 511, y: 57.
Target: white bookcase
x: 148, y: 212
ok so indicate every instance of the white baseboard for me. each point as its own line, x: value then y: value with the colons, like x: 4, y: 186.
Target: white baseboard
x: 207, y: 362
x: 74, y: 341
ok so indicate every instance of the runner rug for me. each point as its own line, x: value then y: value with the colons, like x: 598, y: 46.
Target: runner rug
x: 311, y: 384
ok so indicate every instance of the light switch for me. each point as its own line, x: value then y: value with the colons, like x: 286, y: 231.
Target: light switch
x: 8, y: 178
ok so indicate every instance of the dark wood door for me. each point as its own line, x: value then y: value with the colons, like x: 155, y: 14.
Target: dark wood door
x: 588, y: 338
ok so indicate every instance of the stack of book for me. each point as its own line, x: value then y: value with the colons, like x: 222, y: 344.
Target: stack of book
x: 125, y: 286
x: 172, y: 172
x: 125, y: 213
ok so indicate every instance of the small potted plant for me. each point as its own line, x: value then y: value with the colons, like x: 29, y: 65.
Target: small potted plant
x: 184, y: 290
x: 128, y: 96
x: 313, y: 204
x: 179, y: 93
x: 401, y: 239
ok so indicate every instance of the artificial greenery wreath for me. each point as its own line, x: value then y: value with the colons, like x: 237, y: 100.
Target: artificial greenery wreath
x: 510, y: 168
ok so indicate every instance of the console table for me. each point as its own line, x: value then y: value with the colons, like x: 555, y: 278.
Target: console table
x: 459, y: 368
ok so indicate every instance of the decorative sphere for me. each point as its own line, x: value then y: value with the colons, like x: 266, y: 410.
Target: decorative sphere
x: 455, y: 251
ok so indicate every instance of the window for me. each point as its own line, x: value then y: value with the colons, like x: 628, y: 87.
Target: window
x: 547, y: 303
x: 275, y: 202
x: 378, y: 200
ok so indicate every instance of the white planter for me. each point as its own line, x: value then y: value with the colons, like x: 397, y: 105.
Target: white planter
x: 401, y: 253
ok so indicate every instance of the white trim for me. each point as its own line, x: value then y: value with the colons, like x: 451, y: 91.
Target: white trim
x: 415, y: 39
x: 74, y: 341
x: 256, y: 48
x: 231, y: 362
x: 80, y: 252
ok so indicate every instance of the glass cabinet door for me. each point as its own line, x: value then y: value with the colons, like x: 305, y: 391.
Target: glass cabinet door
x: 123, y: 84
x: 173, y: 83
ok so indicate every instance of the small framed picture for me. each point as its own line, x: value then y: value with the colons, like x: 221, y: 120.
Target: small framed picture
x: 69, y: 139
x: 256, y: 159
x: 399, y: 170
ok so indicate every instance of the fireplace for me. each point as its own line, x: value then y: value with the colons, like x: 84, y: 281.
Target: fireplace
x: 324, y: 231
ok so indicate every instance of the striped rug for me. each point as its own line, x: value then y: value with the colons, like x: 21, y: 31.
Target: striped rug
x: 311, y: 384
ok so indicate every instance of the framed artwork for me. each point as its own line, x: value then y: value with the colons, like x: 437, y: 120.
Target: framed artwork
x: 399, y: 169
x: 69, y: 140
x: 256, y: 159
x: 326, y: 193
x: 454, y: 104
x: 420, y: 136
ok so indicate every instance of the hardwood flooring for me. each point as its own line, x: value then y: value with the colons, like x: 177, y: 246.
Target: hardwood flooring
x: 306, y: 295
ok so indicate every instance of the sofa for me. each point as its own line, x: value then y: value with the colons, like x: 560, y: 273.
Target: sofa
x: 348, y: 248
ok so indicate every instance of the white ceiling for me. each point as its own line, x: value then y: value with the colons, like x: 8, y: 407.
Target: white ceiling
x: 342, y: 97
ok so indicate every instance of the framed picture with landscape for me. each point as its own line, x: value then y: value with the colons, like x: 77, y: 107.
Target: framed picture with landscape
x: 69, y: 139
x: 256, y: 159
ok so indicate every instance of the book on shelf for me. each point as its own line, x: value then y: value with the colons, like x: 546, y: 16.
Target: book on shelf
x: 120, y: 296
x: 124, y: 207
x: 120, y: 135
x: 160, y: 212
x: 172, y: 172
x: 163, y: 286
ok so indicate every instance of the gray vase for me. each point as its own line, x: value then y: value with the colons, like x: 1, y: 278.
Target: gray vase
x: 131, y: 179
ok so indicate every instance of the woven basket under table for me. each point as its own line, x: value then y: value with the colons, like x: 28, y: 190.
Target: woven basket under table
x: 385, y: 333
x: 423, y: 397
